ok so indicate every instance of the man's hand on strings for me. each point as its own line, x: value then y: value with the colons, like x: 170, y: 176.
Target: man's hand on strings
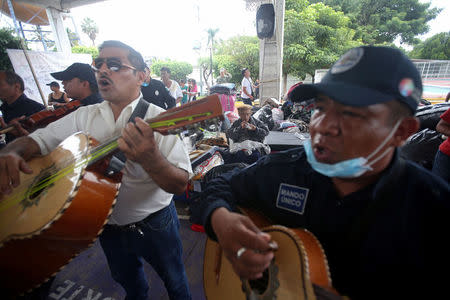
x: 11, y: 164
x: 138, y: 143
x: 247, y: 248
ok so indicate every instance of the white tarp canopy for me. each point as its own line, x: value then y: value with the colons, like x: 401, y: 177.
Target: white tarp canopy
x: 58, y: 4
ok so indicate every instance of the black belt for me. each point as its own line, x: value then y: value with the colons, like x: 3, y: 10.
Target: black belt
x: 136, y: 226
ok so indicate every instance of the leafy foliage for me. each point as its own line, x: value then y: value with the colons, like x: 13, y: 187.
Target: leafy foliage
x: 314, y: 37
x: 89, y: 27
x: 178, y: 69
x: 73, y: 38
x: 435, y: 47
x: 7, y: 41
x: 383, y: 21
x: 93, y: 51
x: 235, y: 54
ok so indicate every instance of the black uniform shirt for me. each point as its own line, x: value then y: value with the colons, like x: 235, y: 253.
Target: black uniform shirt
x: 92, y: 99
x: 23, y: 106
x: 157, y: 94
x: 377, y: 243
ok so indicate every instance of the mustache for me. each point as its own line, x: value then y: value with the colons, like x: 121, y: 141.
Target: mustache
x: 104, y: 77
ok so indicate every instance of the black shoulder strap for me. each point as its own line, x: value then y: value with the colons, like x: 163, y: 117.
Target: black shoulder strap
x: 118, y: 160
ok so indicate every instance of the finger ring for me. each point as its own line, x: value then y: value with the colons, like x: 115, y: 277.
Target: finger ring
x: 240, y: 252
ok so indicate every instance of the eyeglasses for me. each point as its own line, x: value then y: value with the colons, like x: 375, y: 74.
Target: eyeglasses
x: 112, y: 63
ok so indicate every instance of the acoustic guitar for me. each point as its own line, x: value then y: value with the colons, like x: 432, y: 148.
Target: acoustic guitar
x: 299, y: 262
x: 61, y: 208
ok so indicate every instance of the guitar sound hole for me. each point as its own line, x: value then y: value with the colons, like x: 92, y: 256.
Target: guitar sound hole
x: 260, y: 285
x: 39, y: 185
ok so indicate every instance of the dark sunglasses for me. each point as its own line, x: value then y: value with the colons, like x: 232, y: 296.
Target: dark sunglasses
x: 112, y: 63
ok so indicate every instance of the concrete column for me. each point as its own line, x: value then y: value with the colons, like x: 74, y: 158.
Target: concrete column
x: 61, y: 38
x: 271, y: 57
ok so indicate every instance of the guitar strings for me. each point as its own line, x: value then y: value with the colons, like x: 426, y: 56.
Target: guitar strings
x: 72, y: 165
x: 102, y: 150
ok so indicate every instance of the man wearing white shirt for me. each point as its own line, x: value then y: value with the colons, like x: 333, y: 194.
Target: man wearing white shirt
x: 247, y: 87
x: 171, y: 85
x: 143, y: 224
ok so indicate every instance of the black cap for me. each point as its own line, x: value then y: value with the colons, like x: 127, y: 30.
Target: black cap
x: 367, y: 75
x: 53, y: 83
x: 79, y: 70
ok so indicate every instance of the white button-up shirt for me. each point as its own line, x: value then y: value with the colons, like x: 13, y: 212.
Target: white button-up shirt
x: 139, y: 195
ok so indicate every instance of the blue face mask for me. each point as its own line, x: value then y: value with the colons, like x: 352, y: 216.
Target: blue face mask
x: 350, y: 168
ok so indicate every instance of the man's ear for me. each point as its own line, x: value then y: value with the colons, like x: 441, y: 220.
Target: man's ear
x: 142, y: 75
x: 408, y: 126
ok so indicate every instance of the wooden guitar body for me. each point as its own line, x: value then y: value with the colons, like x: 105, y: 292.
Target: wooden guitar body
x: 40, y: 232
x: 299, y: 263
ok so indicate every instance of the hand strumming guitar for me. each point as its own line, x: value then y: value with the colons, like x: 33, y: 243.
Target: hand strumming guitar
x: 138, y: 143
x: 13, y: 161
x: 247, y: 248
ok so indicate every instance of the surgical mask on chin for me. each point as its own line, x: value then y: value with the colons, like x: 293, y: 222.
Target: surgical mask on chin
x: 350, y: 168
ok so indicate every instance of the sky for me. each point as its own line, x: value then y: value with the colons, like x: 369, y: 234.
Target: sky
x: 168, y: 28
x: 171, y: 28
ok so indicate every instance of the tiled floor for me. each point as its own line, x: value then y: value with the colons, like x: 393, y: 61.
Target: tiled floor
x: 88, y: 277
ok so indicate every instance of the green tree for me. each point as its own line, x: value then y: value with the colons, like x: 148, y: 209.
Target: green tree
x: 435, y: 47
x: 314, y: 37
x: 42, y: 36
x: 73, y: 38
x: 206, y: 74
x: 89, y: 27
x: 237, y: 53
x: 383, y: 21
x: 178, y: 69
x: 7, y: 41
x: 93, y: 51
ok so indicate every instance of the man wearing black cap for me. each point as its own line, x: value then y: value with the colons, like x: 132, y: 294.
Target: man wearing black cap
x: 378, y: 217
x: 79, y: 83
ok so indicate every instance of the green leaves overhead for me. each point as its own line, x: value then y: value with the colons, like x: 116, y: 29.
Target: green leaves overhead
x: 436, y: 47
x: 383, y: 21
x: 314, y: 37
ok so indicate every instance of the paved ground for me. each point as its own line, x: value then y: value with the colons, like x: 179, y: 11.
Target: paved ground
x: 88, y: 277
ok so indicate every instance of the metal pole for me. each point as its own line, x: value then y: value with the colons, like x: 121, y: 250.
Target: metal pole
x: 11, y: 10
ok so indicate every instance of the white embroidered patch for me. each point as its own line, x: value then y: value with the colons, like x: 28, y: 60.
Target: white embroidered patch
x: 347, y: 61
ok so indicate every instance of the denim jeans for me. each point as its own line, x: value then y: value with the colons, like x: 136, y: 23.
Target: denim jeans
x: 155, y: 239
x: 441, y: 165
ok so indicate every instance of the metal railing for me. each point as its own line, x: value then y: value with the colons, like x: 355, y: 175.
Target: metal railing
x: 433, y: 68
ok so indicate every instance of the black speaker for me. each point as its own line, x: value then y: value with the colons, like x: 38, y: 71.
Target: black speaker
x: 265, y: 20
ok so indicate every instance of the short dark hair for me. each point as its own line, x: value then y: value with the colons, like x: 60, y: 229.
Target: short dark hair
x: 243, y: 71
x: 93, y: 87
x: 165, y: 69
x: 134, y: 57
x: 12, y: 78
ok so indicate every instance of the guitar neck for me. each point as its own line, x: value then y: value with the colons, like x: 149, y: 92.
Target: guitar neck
x: 172, y: 121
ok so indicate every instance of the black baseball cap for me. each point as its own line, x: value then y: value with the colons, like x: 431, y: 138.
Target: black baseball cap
x: 79, y: 70
x: 367, y: 75
x: 53, y: 83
